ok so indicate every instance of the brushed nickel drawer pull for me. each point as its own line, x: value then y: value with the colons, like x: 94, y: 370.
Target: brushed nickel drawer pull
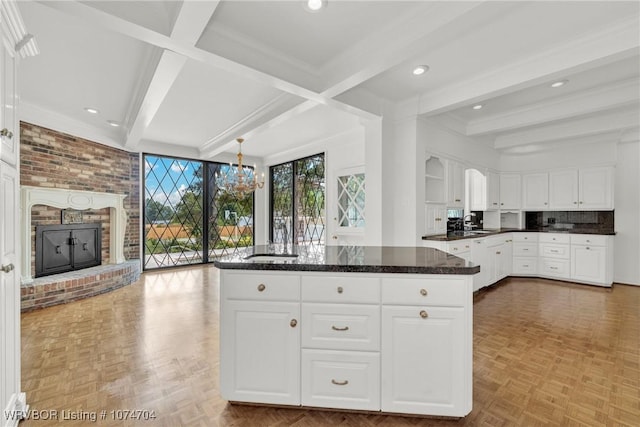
x: 423, y: 292
x: 336, y: 382
x: 340, y: 290
x: 261, y: 287
x: 335, y: 328
x: 424, y: 314
x: 293, y: 323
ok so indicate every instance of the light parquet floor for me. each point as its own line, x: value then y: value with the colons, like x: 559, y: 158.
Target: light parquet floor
x: 545, y: 354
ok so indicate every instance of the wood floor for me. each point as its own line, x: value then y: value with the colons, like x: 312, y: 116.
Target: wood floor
x: 545, y: 354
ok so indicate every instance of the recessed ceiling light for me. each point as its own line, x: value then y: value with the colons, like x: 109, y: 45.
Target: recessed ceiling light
x: 420, y: 69
x: 113, y: 123
x: 559, y: 83
x: 477, y: 106
x: 316, y: 5
x: 91, y: 110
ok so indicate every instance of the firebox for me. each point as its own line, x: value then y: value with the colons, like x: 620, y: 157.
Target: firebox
x: 67, y: 247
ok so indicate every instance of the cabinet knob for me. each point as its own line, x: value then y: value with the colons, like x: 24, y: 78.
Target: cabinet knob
x: 575, y: 203
x: 457, y: 200
x: 495, y: 203
x: 581, y: 202
x: 334, y: 237
x: 424, y: 314
x: 340, y: 290
x: 8, y: 268
x: 526, y: 238
x: 501, y: 204
x: 466, y: 246
x: 455, y: 249
x: 545, y: 203
x: 588, y: 241
x: 336, y: 382
x: 588, y: 248
x: 261, y: 287
x: 293, y: 323
x: 498, y: 252
x: 423, y: 292
x: 526, y: 265
x: 6, y: 132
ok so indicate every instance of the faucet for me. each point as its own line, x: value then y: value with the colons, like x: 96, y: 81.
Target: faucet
x: 463, y: 222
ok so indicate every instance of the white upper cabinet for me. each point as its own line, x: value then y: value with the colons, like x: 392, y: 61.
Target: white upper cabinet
x: 535, y: 189
x: 455, y: 184
x: 595, y: 188
x: 493, y: 191
x: 563, y: 190
x: 510, y: 191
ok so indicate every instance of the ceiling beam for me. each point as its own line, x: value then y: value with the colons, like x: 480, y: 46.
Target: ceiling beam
x: 138, y: 32
x: 188, y: 27
x: 585, y: 102
x: 584, y: 127
x: 581, y: 54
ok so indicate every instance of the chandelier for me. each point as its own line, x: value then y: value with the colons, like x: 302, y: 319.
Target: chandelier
x: 239, y: 180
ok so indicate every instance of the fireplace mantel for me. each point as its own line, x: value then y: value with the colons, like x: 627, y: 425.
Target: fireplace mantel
x: 72, y: 199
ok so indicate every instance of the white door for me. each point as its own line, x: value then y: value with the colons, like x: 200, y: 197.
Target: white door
x: 589, y: 263
x: 455, y: 184
x: 423, y: 361
x: 260, y: 352
x: 510, y: 191
x: 9, y: 291
x: 535, y: 191
x: 596, y: 188
x: 563, y: 189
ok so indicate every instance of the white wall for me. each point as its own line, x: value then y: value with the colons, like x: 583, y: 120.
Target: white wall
x: 627, y: 213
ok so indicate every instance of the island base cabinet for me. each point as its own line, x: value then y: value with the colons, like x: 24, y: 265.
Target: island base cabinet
x: 341, y: 379
x: 426, y: 361
x: 260, y: 352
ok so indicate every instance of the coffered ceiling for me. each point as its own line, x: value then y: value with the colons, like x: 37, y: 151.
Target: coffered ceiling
x: 188, y: 77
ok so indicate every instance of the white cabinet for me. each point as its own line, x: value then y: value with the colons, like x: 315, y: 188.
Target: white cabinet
x: 435, y: 219
x: 555, y: 256
x: 493, y: 191
x: 592, y: 259
x: 260, y: 340
x: 510, y: 191
x: 480, y: 256
x: 525, y: 254
x: 460, y: 248
x: 595, y: 188
x: 535, y: 191
x: 455, y: 184
x: 426, y: 345
x: 563, y: 190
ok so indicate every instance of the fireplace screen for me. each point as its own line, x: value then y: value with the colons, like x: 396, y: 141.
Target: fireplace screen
x: 66, y: 247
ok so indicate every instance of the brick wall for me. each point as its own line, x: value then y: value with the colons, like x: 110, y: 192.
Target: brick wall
x: 52, y: 159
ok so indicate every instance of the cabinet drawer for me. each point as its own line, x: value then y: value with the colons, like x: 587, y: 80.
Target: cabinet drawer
x: 525, y: 237
x: 459, y: 247
x: 261, y: 287
x: 450, y: 291
x: 525, y: 249
x: 554, y: 238
x: 341, y: 326
x: 560, y: 268
x: 340, y: 379
x: 550, y: 250
x: 525, y: 266
x: 360, y: 290
x: 589, y: 239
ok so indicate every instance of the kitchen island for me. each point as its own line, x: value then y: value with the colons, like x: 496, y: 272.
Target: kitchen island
x: 353, y: 328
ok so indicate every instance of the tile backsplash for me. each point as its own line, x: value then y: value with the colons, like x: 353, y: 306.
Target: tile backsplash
x: 564, y: 220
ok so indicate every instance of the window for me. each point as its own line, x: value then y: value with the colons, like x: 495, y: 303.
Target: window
x: 297, y: 201
x: 187, y: 218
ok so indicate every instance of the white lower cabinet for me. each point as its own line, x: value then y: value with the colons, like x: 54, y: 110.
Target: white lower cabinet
x: 407, y: 349
x: 592, y: 259
x: 423, y: 360
x: 260, y: 352
x: 341, y: 379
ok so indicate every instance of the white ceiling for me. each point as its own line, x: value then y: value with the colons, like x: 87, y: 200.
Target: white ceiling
x: 188, y: 77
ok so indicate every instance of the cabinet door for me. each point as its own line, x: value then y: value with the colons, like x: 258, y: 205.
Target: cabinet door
x: 493, y: 191
x: 563, y: 189
x: 423, y: 361
x: 507, y: 257
x: 480, y: 257
x: 455, y: 184
x: 510, y: 191
x: 260, y: 352
x: 435, y: 219
x: 588, y: 263
x: 596, y: 188
x: 8, y: 122
x: 535, y: 189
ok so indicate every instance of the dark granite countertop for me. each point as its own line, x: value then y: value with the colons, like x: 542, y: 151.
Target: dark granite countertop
x: 492, y: 232
x: 349, y: 259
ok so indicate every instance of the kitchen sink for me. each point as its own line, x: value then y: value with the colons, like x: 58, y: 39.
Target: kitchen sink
x: 272, y: 258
